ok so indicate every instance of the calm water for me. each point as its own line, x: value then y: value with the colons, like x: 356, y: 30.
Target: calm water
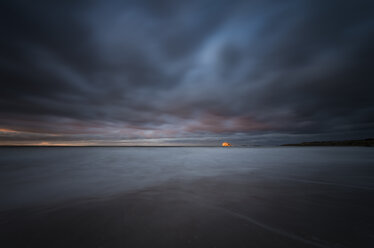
x: 33, y: 176
x: 187, y: 197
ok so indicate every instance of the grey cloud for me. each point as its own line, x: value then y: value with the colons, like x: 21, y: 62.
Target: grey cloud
x: 120, y: 70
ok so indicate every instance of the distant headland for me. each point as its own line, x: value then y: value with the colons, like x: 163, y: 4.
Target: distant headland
x: 362, y: 142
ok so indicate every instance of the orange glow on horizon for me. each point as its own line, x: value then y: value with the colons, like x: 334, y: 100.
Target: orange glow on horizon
x: 44, y: 143
x: 4, y: 130
x: 226, y: 144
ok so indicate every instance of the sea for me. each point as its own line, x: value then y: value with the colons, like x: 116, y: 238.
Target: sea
x: 187, y: 196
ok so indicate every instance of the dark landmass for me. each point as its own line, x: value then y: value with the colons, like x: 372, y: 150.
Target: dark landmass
x: 364, y: 142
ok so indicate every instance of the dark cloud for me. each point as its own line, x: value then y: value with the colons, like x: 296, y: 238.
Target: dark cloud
x: 185, y: 72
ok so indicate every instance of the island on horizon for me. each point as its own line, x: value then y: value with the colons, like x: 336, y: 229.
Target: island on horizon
x: 361, y: 142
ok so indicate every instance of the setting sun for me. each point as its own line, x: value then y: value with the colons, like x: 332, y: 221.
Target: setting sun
x: 226, y: 144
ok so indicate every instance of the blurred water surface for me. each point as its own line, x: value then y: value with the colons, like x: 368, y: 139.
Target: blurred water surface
x: 40, y: 175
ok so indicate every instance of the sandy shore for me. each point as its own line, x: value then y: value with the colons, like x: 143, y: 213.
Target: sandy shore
x: 222, y: 211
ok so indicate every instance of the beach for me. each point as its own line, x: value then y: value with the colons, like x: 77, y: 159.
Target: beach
x: 187, y: 197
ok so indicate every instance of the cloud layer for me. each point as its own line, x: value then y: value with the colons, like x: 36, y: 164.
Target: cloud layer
x: 185, y: 72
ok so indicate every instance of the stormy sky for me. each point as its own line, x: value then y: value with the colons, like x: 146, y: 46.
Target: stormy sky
x: 185, y: 72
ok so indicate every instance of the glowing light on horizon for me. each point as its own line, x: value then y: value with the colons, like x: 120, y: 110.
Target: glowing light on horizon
x: 4, y: 130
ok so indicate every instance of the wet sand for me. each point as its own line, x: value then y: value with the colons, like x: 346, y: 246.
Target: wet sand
x: 223, y: 211
x: 187, y: 197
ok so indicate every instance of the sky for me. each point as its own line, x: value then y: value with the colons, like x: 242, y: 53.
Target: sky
x: 171, y: 72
